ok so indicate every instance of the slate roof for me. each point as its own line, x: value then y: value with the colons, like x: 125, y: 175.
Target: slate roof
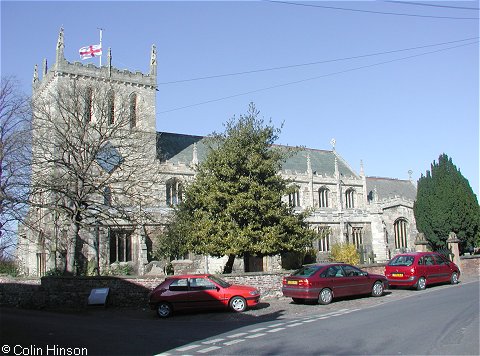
x: 388, y: 188
x: 178, y: 148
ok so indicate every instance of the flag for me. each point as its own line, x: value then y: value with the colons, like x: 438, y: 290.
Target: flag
x: 90, y: 51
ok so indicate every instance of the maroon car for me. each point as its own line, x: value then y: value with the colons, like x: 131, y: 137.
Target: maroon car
x: 200, y: 291
x: 325, y: 281
x: 419, y: 269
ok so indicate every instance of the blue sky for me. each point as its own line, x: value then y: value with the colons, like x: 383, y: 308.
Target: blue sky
x: 396, y: 84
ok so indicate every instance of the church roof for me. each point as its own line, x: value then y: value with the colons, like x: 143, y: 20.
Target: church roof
x: 389, y: 188
x: 178, y: 149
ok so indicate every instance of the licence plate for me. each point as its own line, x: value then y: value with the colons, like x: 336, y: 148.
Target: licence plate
x: 397, y: 274
x: 292, y: 282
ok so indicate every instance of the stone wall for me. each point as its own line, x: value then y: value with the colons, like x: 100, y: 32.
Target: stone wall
x: 470, y: 265
x: 73, y: 293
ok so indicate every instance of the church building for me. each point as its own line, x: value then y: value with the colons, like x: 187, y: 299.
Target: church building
x: 375, y: 214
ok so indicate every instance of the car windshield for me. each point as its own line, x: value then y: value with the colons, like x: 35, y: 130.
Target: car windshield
x: 402, y: 261
x: 306, y: 271
x: 221, y: 282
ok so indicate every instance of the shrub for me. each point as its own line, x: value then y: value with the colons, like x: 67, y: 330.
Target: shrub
x: 345, y: 252
x: 54, y: 272
x: 8, y: 267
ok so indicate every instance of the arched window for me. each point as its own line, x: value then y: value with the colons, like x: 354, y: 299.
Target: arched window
x: 120, y: 245
x: 357, y: 236
x: 133, y: 110
x: 400, y: 230
x: 111, y: 108
x: 323, y: 197
x: 324, y: 240
x: 88, y: 104
x: 174, y: 192
x: 350, y: 199
x: 294, y: 198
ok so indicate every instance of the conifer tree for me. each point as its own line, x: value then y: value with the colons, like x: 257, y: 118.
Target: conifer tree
x: 234, y: 206
x: 446, y: 203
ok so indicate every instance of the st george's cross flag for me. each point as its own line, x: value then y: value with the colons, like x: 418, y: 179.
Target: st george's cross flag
x: 90, y: 51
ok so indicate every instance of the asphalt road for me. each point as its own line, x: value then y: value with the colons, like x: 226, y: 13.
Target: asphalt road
x: 441, y: 320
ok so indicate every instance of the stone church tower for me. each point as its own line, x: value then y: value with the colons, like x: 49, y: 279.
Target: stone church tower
x: 125, y: 95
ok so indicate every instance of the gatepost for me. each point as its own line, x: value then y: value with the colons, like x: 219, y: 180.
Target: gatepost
x: 421, y: 244
x: 453, y: 242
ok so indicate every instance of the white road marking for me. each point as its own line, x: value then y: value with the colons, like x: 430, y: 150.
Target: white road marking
x: 212, y: 341
x: 275, y: 325
x: 186, y: 348
x: 228, y: 343
x: 257, y: 330
x: 208, y: 349
x: 275, y: 330
x: 253, y: 336
x: 237, y: 335
x: 292, y: 325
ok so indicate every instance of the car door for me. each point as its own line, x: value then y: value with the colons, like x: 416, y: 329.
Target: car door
x: 356, y: 281
x: 337, y: 282
x: 430, y: 268
x: 178, y: 294
x: 442, y: 268
x: 204, y: 294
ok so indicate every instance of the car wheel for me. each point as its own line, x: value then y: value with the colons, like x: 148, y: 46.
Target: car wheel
x: 377, y: 289
x: 298, y: 300
x: 238, y: 304
x: 164, y: 310
x: 421, y: 283
x: 325, y: 296
x: 454, y: 278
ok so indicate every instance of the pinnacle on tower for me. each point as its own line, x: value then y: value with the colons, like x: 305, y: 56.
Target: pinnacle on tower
x: 153, y: 61
x: 60, y: 47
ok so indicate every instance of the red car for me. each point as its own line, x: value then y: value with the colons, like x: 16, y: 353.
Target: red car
x: 325, y: 281
x: 200, y: 291
x: 419, y: 269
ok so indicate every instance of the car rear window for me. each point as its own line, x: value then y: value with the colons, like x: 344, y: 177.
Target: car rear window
x: 402, y: 261
x: 306, y: 271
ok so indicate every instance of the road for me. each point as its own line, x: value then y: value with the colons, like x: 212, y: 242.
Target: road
x: 441, y: 320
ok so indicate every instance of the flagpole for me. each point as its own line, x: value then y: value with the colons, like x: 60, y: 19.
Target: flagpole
x: 101, y: 48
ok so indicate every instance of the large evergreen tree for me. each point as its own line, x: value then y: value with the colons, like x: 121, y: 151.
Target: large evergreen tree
x: 234, y: 206
x: 446, y: 203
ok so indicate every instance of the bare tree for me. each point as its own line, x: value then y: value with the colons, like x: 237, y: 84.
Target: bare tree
x: 14, y: 158
x: 91, y: 163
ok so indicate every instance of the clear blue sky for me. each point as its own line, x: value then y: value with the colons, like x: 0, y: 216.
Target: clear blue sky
x: 396, y: 111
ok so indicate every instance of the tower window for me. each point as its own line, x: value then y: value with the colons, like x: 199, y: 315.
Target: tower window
x: 107, y: 196
x: 133, y: 110
x: 88, y: 104
x: 111, y: 108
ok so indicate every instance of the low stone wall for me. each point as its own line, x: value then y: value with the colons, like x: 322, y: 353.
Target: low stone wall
x: 470, y: 265
x: 21, y: 292
x: 73, y: 292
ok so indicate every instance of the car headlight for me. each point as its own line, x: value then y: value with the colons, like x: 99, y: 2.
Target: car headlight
x: 254, y: 292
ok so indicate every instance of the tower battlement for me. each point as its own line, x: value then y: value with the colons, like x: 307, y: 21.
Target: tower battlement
x: 105, y: 73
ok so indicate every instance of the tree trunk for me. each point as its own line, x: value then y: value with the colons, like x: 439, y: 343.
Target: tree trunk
x: 71, y: 247
x: 229, y: 265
